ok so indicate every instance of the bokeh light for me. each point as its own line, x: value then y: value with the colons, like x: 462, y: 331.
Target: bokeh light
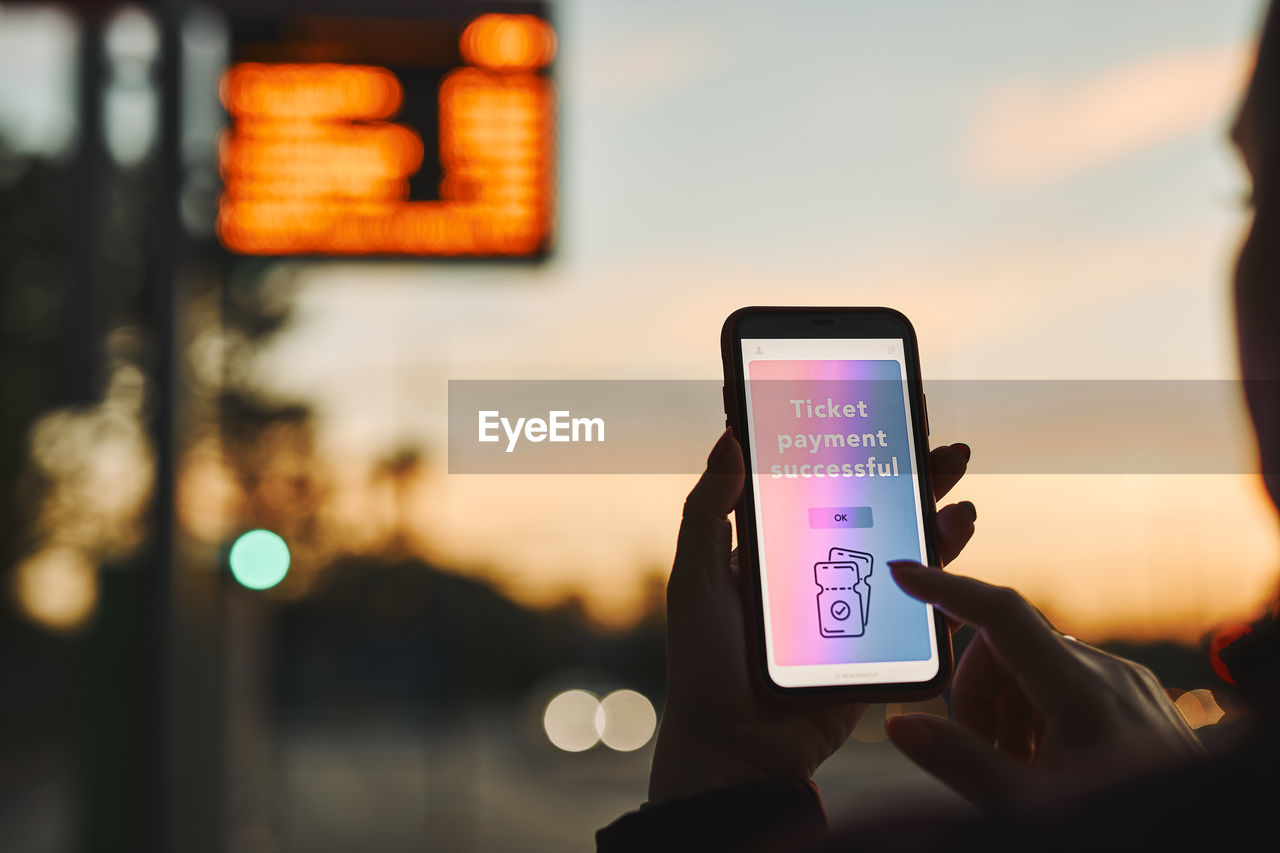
x: 57, y: 587
x: 870, y: 728
x: 259, y: 559
x: 1199, y: 708
x: 935, y: 707
x: 509, y: 42
x: 626, y: 720
x: 570, y: 720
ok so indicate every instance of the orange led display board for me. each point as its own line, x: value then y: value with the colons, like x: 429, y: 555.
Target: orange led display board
x: 320, y: 158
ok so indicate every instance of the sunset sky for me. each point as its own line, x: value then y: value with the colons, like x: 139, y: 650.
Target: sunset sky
x: 1045, y: 189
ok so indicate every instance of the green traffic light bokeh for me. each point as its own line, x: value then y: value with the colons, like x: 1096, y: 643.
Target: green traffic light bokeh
x: 259, y: 559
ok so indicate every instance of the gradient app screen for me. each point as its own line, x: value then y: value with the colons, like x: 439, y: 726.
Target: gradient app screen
x: 836, y: 498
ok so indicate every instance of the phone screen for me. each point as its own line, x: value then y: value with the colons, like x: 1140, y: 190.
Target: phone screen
x: 836, y: 492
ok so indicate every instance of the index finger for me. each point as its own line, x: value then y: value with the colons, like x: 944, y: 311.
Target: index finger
x: 705, y: 537
x: 1022, y: 640
x: 947, y: 465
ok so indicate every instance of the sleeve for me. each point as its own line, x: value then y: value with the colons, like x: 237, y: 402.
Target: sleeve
x: 753, y: 817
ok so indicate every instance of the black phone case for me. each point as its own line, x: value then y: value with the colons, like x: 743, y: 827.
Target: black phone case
x: 797, y: 319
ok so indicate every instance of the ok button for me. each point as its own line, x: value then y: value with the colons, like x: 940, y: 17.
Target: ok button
x: 823, y: 517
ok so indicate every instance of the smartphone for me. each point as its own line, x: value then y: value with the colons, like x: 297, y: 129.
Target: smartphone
x: 828, y: 406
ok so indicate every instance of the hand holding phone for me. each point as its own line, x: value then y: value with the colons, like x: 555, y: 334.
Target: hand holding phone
x: 828, y: 407
x: 718, y: 727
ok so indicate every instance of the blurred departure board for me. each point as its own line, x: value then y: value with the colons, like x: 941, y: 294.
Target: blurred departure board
x: 385, y: 136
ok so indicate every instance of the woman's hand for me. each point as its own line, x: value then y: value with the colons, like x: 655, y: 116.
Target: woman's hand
x: 1039, y: 717
x: 717, y: 729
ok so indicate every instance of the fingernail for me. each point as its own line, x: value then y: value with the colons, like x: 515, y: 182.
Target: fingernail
x: 964, y: 448
x: 909, y: 573
x: 971, y: 509
x: 911, y: 733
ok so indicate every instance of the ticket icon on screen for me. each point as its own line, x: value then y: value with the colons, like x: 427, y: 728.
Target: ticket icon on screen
x: 844, y: 594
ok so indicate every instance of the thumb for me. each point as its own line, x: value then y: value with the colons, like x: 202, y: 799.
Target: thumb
x: 705, y: 533
x: 970, y: 766
x: 721, y: 484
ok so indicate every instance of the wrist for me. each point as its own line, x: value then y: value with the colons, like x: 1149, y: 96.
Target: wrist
x: 686, y: 763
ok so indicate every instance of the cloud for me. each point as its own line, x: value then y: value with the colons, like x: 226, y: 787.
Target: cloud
x: 1036, y: 130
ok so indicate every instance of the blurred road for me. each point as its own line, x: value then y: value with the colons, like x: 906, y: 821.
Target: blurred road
x: 492, y: 782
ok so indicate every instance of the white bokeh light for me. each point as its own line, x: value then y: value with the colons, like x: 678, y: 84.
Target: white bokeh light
x: 626, y: 720
x: 570, y: 720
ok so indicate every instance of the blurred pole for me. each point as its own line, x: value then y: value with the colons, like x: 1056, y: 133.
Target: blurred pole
x: 253, y: 800
x: 185, y: 756
x: 160, y: 744
x: 111, y: 729
x: 151, y: 724
x: 85, y: 304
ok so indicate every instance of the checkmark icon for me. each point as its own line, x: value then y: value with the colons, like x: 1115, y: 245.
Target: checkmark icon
x: 844, y: 595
